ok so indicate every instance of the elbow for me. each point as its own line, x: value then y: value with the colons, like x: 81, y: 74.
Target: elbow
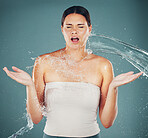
x: 107, y: 125
x: 36, y: 120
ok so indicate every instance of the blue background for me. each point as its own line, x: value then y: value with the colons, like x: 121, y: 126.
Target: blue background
x: 29, y: 28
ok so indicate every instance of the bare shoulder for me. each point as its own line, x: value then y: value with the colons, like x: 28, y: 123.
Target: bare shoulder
x: 105, y: 69
x: 45, y: 58
x: 52, y: 54
x: 101, y: 60
x: 102, y: 63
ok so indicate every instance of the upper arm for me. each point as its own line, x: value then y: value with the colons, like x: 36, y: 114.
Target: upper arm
x: 38, y: 78
x: 108, y: 74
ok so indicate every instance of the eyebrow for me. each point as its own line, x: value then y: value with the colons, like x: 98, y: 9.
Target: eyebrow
x: 78, y: 24
x: 81, y: 24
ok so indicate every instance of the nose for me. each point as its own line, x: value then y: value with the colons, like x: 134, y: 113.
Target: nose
x: 74, y: 31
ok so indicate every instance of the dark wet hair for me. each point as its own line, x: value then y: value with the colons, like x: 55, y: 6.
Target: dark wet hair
x: 79, y: 10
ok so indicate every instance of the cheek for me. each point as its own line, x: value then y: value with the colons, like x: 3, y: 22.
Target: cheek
x: 85, y: 34
x: 66, y: 34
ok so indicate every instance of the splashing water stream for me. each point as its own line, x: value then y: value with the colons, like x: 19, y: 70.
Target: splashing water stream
x: 98, y: 43
x: 136, y: 56
x: 28, y: 127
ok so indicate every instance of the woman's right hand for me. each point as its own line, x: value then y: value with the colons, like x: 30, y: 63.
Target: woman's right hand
x: 19, y: 75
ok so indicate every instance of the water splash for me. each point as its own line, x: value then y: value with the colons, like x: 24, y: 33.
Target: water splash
x: 134, y: 55
x: 23, y: 130
x: 29, y: 125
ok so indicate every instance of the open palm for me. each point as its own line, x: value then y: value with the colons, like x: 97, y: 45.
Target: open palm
x: 19, y: 75
x: 125, y: 78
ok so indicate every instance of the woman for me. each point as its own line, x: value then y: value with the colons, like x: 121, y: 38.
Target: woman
x: 72, y: 83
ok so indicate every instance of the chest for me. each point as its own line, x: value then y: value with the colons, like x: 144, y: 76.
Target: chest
x: 73, y: 72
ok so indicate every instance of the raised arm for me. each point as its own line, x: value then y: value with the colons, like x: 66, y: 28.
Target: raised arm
x: 35, y: 92
x: 108, y: 107
x: 34, y: 88
x: 108, y: 103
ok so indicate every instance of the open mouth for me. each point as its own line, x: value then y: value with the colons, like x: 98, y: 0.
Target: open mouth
x: 74, y: 39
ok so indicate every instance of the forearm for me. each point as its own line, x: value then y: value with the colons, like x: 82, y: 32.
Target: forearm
x: 33, y: 105
x: 110, y: 109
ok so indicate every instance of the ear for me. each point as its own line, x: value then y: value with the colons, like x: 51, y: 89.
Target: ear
x: 62, y: 28
x: 90, y: 28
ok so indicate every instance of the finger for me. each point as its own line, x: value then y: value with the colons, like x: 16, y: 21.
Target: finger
x: 5, y: 69
x: 17, y: 69
x: 12, y: 75
x: 9, y: 73
x: 128, y: 73
x: 139, y: 74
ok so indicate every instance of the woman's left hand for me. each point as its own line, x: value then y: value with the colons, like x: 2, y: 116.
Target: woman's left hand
x: 124, y: 78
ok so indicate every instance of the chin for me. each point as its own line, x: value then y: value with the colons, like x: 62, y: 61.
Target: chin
x: 75, y: 46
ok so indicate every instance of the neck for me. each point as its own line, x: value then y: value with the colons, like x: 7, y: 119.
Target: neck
x: 75, y: 54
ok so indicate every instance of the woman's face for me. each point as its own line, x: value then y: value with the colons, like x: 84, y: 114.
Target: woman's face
x: 75, y: 30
